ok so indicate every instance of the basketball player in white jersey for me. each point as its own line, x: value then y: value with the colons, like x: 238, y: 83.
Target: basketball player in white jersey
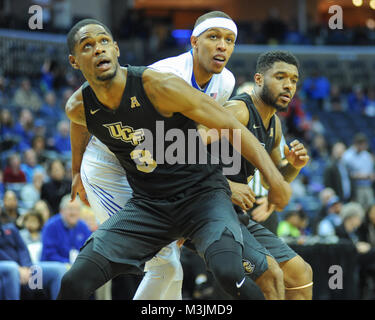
x: 102, y: 180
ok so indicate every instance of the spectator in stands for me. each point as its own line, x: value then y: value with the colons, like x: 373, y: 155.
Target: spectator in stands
x: 38, y: 144
x: 366, y: 232
x: 324, y: 196
x: 43, y: 208
x: 370, y: 104
x: 10, y: 212
x: 336, y: 101
x: 293, y: 225
x: 361, y: 168
x: 48, y: 77
x: 316, y: 89
x: 56, y: 187
x: 15, y: 267
x: 319, y: 149
x: 30, y: 165
x: 332, y: 220
x: 316, y: 126
x: 64, y: 234
x: 353, y: 214
x: 8, y: 135
x: 40, y: 128
x: 24, y: 129
x: 62, y: 138
x: 295, y: 118
x: 357, y: 100
x: 319, y: 160
x: 50, y: 112
x: 31, y: 234
x: 30, y: 193
x: 13, y: 172
x: 26, y: 97
x: 336, y: 174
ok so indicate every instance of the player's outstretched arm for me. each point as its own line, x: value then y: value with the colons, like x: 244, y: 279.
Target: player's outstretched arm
x: 296, y: 156
x: 169, y: 94
x: 79, y: 138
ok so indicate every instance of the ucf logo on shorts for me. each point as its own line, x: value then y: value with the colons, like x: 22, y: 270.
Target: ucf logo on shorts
x: 125, y: 133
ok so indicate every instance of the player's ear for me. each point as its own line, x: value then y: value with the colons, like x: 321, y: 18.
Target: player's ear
x: 73, y: 62
x: 117, y: 48
x: 193, y: 42
x: 258, y: 79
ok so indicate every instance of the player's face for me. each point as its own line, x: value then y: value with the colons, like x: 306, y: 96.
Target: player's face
x: 214, y: 48
x: 279, y: 85
x: 96, y: 53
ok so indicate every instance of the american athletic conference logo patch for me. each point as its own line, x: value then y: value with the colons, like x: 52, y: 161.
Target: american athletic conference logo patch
x: 248, y: 266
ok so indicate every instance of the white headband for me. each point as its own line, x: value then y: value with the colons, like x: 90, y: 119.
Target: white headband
x: 215, y: 23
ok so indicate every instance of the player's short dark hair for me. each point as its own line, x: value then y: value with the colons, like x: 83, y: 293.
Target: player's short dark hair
x: 70, y: 39
x: 266, y: 60
x: 211, y: 14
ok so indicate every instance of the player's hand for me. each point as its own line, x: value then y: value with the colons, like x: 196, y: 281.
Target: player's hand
x: 279, y: 195
x: 242, y: 195
x: 25, y: 274
x: 263, y: 210
x: 297, y: 156
x: 77, y: 187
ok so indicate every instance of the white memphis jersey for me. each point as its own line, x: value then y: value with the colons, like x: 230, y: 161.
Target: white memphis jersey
x: 219, y: 88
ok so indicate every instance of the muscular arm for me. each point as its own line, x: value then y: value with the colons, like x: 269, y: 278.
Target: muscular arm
x: 79, y: 138
x: 170, y: 94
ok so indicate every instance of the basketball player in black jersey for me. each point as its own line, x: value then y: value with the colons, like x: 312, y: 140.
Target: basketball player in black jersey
x: 275, y: 85
x: 118, y: 106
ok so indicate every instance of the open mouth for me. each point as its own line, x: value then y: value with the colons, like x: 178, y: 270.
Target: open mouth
x: 219, y: 59
x: 103, y: 64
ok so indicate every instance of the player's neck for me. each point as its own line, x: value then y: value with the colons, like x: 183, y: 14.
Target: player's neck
x: 110, y: 92
x: 202, y: 77
x: 265, y: 111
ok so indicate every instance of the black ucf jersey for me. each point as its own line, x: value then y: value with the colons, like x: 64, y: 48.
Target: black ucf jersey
x: 162, y: 156
x: 265, y: 136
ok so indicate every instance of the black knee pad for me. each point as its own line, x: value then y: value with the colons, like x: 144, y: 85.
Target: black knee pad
x: 224, y: 259
x: 86, y: 274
